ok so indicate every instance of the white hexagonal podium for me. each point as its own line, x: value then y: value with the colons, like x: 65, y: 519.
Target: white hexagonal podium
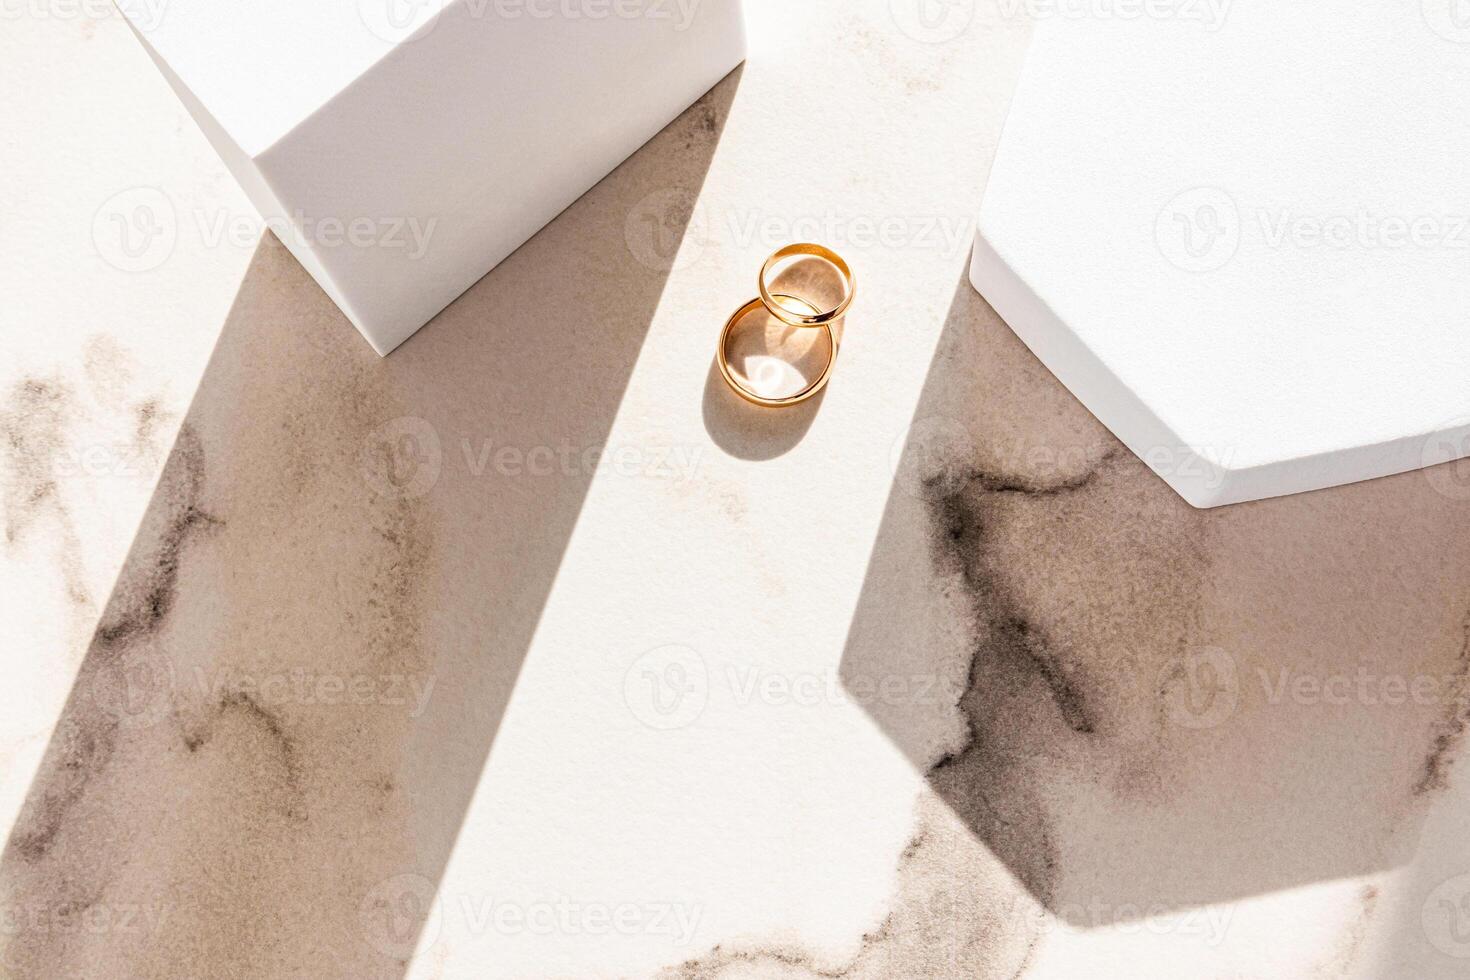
x: 1240, y: 234
x: 403, y: 148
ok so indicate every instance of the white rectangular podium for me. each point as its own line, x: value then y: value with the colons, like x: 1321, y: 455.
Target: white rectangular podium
x: 405, y: 147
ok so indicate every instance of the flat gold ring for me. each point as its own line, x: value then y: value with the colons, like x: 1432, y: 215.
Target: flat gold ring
x: 722, y: 356
x: 817, y: 318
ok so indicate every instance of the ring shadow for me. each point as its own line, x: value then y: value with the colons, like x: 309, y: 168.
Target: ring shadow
x: 285, y: 708
x: 753, y: 432
x: 1115, y: 731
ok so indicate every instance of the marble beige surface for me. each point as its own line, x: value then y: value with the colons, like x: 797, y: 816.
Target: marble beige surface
x: 530, y: 652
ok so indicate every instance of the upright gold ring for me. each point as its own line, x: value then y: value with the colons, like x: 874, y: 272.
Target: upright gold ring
x: 748, y: 393
x: 817, y: 318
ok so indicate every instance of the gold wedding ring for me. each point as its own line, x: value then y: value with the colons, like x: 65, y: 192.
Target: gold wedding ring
x: 742, y: 388
x: 817, y: 317
x: 792, y: 311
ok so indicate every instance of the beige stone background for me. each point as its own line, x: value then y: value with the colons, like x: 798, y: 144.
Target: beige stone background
x: 531, y: 652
